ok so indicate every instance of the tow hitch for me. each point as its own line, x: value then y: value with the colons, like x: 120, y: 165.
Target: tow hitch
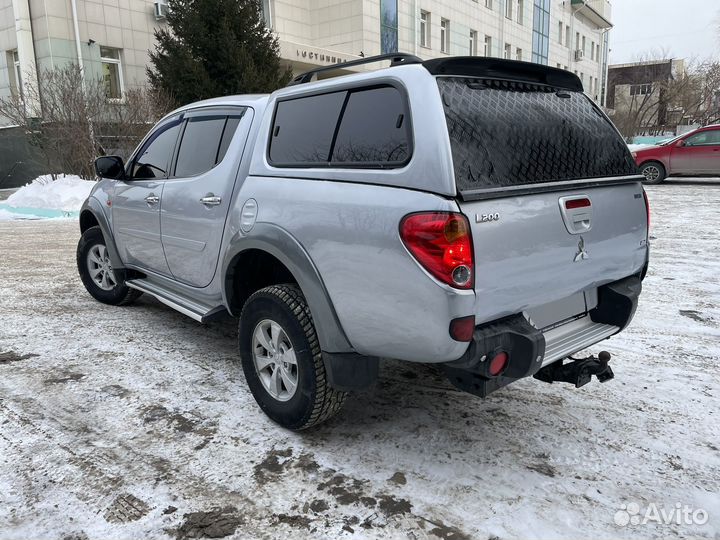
x: 579, y: 371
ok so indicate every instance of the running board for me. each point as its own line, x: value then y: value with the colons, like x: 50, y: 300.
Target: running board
x: 562, y: 341
x: 194, y: 310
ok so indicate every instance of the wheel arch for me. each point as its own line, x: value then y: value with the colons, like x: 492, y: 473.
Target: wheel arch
x: 91, y: 215
x: 270, y: 244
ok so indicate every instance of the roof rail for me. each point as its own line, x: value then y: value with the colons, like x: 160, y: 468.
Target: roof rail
x: 396, y: 59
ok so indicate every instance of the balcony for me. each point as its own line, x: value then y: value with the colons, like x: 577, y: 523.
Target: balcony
x: 599, y: 12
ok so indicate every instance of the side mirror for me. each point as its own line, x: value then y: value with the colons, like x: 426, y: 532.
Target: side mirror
x: 680, y: 143
x: 110, y: 167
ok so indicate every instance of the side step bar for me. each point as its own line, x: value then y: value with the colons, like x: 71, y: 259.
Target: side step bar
x: 194, y: 310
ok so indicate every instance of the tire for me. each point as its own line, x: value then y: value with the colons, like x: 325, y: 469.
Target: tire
x: 92, y: 253
x: 654, y: 172
x: 268, y: 363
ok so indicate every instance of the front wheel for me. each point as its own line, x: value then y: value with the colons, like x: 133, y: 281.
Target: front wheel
x: 102, y: 281
x: 282, y: 361
x: 654, y: 172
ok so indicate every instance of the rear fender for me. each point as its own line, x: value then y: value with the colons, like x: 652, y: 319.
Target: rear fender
x: 283, y: 246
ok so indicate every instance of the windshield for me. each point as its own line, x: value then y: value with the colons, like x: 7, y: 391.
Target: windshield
x: 670, y: 141
x: 514, y: 134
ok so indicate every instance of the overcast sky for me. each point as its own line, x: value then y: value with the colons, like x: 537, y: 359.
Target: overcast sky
x: 679, y: 28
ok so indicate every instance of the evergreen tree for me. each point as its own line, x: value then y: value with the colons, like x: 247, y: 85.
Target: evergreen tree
x: 214, y: 48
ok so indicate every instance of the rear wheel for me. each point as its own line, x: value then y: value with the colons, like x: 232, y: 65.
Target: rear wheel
x: 102, y: 281
x: 282, y: 361
x: 654, y: 172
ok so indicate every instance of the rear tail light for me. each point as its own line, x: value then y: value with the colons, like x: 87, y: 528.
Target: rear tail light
x: 441, y: 242
x: 498, y: 363
x: 647, y: 210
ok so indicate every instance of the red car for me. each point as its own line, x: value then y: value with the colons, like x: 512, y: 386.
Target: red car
x: 696, y: 153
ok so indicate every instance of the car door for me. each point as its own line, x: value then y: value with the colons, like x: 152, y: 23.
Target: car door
x: 697, y: 154
x: 136, y: 200
x: 197, y: 197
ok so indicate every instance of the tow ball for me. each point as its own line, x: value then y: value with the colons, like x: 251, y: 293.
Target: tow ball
x: 579, y: 371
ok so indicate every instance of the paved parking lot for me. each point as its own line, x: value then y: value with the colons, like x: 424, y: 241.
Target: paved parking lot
x: 135, y: 422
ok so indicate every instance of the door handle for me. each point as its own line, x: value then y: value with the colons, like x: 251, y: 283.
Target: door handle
x: 152, y: 199
x: 211, y: 200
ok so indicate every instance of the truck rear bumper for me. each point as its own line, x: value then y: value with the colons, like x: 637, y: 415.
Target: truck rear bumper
x: 528, y: 349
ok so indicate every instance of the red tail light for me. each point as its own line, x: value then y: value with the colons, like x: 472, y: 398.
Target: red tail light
x: 441, y: 242
x: 647, y: 209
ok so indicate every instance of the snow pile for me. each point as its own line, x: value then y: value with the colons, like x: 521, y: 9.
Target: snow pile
x: 66, y: 193
x: 636, y: 147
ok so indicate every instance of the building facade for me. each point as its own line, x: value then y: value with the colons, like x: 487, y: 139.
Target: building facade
x: 111, y: 38
x: 642, y: 99
x: 568, y: 34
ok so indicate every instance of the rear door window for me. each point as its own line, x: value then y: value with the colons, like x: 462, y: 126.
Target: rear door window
x: 367, y: 127
x: 199, y: 146
x: 518, y: 134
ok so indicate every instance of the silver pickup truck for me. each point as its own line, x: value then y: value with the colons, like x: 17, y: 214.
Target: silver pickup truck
x: 479, y: 214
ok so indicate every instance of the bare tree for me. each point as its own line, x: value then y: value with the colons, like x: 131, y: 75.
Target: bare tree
x: 654, y: 96
x: 78, y: 121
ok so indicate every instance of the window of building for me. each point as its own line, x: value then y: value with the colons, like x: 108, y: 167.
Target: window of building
x: 583, y: 44
x: 541, y: 31
x: 15, y: 73
x: 518, y: 54
x: 153, y: 160
x: 592, y: 50
x: 640, y: 89
x: 424, y: 29
x: 488, y: 4
x: 112, y: 72
x: 508, y: 52
x: 597, y: 52
x: 567, y: 36
x: 388, y: 26
x: 373, y: 130
x: 577, y: 41
x: 521, y: 11
x: 560, y: 33
x: 473, y: 43
x: 444, y: 35
x: 508, y: 9
x: 487, y: 50
x: 204, y: 143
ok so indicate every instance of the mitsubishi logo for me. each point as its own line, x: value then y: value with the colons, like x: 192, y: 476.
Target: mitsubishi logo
x: 581, y: 255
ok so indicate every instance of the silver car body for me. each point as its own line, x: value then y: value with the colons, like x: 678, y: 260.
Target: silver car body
x: 336, y: 230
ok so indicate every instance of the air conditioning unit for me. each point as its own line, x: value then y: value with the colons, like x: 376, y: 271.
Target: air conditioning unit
x: 579, y: 55
x: 161, y: 10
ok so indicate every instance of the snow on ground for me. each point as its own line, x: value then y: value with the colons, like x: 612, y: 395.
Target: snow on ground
x: 65, y: 193
x: 135, y: 422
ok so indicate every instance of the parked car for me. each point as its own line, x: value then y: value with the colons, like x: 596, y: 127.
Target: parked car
x: 479, y: 214
x: 696, y: 153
